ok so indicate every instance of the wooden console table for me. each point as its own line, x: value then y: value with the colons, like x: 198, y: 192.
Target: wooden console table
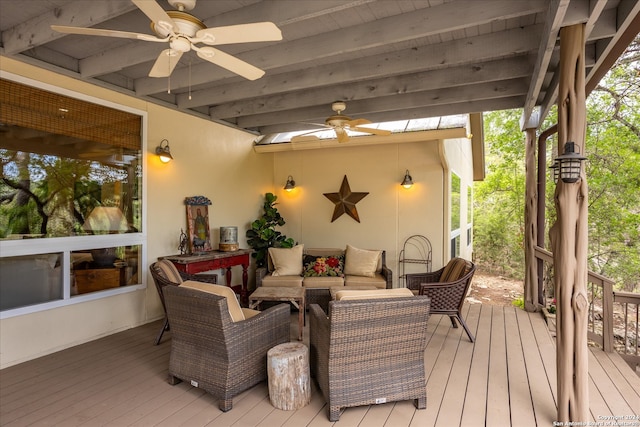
x: 215, y: 260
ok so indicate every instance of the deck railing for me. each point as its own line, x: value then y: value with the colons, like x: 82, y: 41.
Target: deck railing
x: 605, y: 307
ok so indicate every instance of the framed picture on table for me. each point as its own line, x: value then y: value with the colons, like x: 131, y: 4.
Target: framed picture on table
x: 198, y: 230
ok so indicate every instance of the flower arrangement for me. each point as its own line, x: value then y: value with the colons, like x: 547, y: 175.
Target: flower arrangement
x: 552, y: 306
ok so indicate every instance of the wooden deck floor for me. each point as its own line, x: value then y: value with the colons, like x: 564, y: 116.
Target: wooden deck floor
x: 506, y: 378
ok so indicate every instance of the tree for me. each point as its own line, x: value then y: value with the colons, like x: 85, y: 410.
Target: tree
x: 263, y: 234
x: 613, y: 170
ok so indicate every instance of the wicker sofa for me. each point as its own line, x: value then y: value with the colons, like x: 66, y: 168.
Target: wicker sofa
x: 369, y: 351
x: 320, y: 269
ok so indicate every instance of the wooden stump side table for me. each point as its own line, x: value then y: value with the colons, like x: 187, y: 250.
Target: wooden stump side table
x: 289, y: 377
x: 293, y: 295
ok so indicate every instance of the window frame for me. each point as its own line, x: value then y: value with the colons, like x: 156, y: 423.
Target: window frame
x: 66, y: 245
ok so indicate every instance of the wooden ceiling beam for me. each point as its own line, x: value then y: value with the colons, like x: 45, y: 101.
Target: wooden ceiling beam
x: 419, y: 112
x: 381, y: 33
x: 366, y: 108
x: 553, y: 22
x: 37, y: 31
x: 468, y: 51
x: 138, y: 53
x: 429, y: 80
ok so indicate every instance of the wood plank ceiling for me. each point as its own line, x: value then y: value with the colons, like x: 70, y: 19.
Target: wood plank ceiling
x: 389, y: 60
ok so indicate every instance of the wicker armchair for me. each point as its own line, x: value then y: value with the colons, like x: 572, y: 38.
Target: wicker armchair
x: 369, y: 351
x: 210, y: 351
x: 164, y: 273
x: 447, y: 288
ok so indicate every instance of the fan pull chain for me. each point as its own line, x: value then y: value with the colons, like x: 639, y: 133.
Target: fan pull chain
x: 189, y: 80
x: 169, y: 76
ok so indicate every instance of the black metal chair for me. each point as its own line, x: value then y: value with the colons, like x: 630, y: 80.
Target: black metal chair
x: 447, y: 288
x: 164, y: 273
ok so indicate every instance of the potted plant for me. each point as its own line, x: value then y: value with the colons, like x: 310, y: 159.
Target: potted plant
x: 263, y: 234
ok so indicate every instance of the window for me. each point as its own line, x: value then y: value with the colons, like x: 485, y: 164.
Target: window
x: 469, y: 215
x: 70, y: 198
x: 455, y: 215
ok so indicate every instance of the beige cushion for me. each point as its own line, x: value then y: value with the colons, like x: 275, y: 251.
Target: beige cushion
x: 287, y: 261
x: 249, y: 313
x: 335, y: 289
x: 169, y: 270
x: 377, y: 281
x: 373, y: 294
x: 322, y: 282
x: 235, y: 311
x: 454, y: 270
x: 361, y: 262
x: 282, y: 281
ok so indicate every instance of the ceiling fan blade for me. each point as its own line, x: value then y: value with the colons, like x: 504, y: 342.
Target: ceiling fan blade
x: 371, y: 130
x: 229, y: 62
x: 166, y: 62
x: 358, y: 122
x: 105, y: 33
x: 243, y: 33
x: 156, y: 13
x: 341, y: 134
x: 304, y: 137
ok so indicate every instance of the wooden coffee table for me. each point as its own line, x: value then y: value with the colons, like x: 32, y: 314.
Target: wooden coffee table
x: 293, y: 295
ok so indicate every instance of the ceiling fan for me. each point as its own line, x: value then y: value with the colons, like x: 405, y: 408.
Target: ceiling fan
x: 341, y: 124
x: 184, y: 31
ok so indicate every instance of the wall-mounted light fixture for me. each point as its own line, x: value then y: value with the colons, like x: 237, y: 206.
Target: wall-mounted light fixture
x: 290, y: 185
x: 570, y: 163
x: 407, y: 182
x: 164, y: 152
x: 555, y: 167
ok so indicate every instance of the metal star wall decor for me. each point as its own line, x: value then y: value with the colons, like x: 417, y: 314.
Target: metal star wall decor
x: 345, y: 201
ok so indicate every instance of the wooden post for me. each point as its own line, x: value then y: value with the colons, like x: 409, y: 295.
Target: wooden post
x: 530, y: 225
x: 569, y: 239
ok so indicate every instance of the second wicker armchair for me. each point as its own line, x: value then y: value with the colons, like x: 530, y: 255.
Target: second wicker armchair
x: 447, y: 289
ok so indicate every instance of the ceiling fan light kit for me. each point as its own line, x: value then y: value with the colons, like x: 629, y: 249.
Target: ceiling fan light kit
x: 183, y: 31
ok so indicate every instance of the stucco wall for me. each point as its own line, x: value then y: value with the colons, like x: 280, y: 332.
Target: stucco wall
x: 209, y: 159
x: 220, y: 163
x: 389, y: 214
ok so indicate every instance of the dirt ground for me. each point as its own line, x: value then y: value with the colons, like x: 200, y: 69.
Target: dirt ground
x: 496, y: 290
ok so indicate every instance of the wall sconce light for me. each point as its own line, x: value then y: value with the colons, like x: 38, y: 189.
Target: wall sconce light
x: 164, y: 152
x: 570, y: 163
x: 290, y: 185
x: 555, y: 170
x: 407, y: 182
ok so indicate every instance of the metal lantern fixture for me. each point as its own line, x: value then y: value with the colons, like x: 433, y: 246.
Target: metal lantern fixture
x: 164, y: 152
x: 407, y: 182
x: 290, y: 185
x: 570, y: 163
x: 556, y: 171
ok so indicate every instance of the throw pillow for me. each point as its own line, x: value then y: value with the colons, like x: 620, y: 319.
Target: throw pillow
x: 361, y: 262
x: 169, y: 270
x: 286, y: 261
x: 454, y: 270
x: 323, y: 266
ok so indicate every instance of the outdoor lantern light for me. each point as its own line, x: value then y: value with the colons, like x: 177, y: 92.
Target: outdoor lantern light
x: 556, y: 171
x: 164, y: 152
x: 407, y: 182
x: 570, y: 163
x: 290, y: 185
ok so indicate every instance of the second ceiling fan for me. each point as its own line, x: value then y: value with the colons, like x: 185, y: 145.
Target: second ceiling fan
x: 341, y: 124
x: 184, y: 31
